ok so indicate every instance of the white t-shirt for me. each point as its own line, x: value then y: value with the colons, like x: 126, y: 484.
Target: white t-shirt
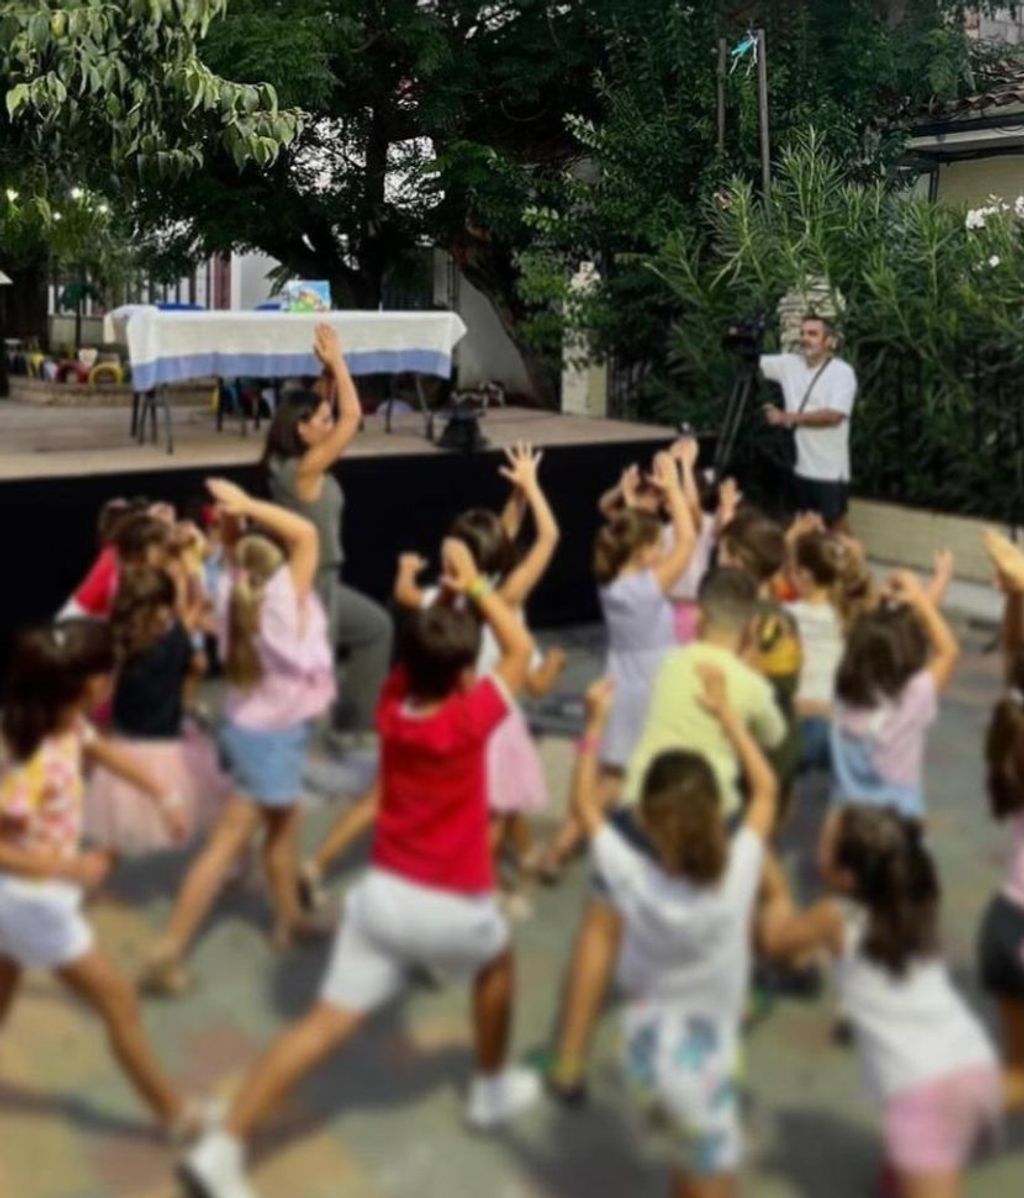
x: 910, y: 1030
x: 683, y: 943
x: 821, y: 453
x: 821, y: 635
x: 686, y: 586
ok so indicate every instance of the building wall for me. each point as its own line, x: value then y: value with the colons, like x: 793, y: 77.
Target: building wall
x: 250, y: 286
x: 972, y: 182
x: 1003, y: 26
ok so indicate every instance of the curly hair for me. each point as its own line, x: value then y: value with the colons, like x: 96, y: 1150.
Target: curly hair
x: 895, y: 879
x: 137, y: 618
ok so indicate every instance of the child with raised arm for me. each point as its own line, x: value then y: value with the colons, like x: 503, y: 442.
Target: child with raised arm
x: 684, y: 960
x: 925, y: 1058
x: 516, y: 786
x: 428, y: 898
x: 280, y: 671
x: 635, y: 575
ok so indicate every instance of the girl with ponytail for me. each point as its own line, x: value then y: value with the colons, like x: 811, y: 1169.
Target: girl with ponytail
x: 834, y: 586
x: 274, y: 641
x: 1001, y: 939
x: 925, y: 1057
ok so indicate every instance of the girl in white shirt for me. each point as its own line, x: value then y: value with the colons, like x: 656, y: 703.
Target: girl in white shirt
x: 925, y: 1057
x: 684, y: 960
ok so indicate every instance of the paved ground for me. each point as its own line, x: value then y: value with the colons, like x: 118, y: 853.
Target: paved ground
x: 383, y: 1121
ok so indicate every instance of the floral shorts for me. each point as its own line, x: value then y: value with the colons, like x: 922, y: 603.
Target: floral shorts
x: 683, y: 1069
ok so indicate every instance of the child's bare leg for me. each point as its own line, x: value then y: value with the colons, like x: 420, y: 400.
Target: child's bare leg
x: 113, y: 997
x: 351, y: 824
x: 206, y: 878
x: 10, y: 978
x: 721, y: 1185
x: 1012, y: 1018
x: 929, y: 1185
x: 492, y: 1012
x: 281, y: 863
x: 590, y: 972
x: 519, y: 836
x: 295, y: 1053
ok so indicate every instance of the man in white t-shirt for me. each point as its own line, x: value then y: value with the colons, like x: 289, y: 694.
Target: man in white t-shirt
x: 819, y: 390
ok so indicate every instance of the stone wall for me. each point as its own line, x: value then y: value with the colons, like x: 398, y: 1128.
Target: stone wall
x: 911, y: 537
x: 99, y: 395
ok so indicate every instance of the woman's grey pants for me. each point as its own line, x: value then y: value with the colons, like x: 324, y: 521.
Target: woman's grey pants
x: 363, y: 633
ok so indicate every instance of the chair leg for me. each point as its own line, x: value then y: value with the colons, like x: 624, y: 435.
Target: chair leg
x: 135, y: 413
x: 168, y: 421
x: 421, y: 399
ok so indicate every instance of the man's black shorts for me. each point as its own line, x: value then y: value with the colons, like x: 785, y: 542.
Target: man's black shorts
x: 829, y: 499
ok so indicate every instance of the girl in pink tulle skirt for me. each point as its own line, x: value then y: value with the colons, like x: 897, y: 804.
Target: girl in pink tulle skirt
x: 156, y: 657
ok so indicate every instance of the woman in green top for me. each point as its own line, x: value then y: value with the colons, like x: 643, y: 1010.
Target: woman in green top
x: 310, y: 432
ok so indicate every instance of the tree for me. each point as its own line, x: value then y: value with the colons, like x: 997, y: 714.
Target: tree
x: 656, y: 165
x: 429, y: 124
x: 108, y: 97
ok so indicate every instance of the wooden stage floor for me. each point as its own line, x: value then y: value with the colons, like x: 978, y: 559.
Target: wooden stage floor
x: 49, y: 442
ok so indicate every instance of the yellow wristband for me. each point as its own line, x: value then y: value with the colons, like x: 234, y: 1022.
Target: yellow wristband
x: 479, y: 589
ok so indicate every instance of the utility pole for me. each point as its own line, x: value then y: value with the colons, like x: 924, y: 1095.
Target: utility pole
x: 723, y: 58
x: 762, y: 108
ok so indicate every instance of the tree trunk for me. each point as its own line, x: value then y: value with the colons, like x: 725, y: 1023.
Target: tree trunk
x: 492, y: 272
x: 371, y: 253
x: 25, y: 314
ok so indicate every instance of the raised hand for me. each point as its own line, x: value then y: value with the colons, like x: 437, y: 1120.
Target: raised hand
x: 411, y: 565
x: 906, y: 586
x: 629, y: 484
x: 685, y: 450
x: 458, y: 570
x: 1007, y: 559
x: 522, y: 464
x: 665, y: 476
x: 229, y: 496
x: 327, y: 345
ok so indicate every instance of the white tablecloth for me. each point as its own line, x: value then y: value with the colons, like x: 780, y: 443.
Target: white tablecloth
x: 169, y: 347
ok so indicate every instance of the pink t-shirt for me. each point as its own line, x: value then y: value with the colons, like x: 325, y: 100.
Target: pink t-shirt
x: 296, y: 654
x: 878, y: 752
x: 41, y: 798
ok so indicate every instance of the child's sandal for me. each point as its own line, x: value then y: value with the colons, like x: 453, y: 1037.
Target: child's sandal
x: 166, y: 977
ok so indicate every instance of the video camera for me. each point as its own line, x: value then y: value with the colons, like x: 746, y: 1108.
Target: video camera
x: 744, y: 336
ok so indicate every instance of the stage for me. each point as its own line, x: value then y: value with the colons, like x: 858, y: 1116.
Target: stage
x: 58, y: 465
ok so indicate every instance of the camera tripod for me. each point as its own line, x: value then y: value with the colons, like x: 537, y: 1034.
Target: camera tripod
x: 744, y: 390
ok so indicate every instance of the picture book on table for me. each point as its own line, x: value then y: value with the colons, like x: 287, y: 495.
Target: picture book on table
x: 306, y: 295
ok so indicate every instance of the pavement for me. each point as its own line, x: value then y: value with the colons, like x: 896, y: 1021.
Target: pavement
x: 383, y: 1119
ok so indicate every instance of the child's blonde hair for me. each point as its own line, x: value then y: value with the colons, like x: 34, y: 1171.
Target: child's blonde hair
x: 257, y: 560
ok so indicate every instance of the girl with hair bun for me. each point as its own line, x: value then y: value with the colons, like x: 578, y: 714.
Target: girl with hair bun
x: 924, y: 1055
x: 834, y: 586
x: 278, y: 660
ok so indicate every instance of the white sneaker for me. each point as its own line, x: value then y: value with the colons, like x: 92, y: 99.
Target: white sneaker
x: 215, y: 1168
x: 495, y: 1099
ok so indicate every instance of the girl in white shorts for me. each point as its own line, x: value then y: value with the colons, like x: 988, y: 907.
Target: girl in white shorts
x: 684, y: 961
x: 58, y: 674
